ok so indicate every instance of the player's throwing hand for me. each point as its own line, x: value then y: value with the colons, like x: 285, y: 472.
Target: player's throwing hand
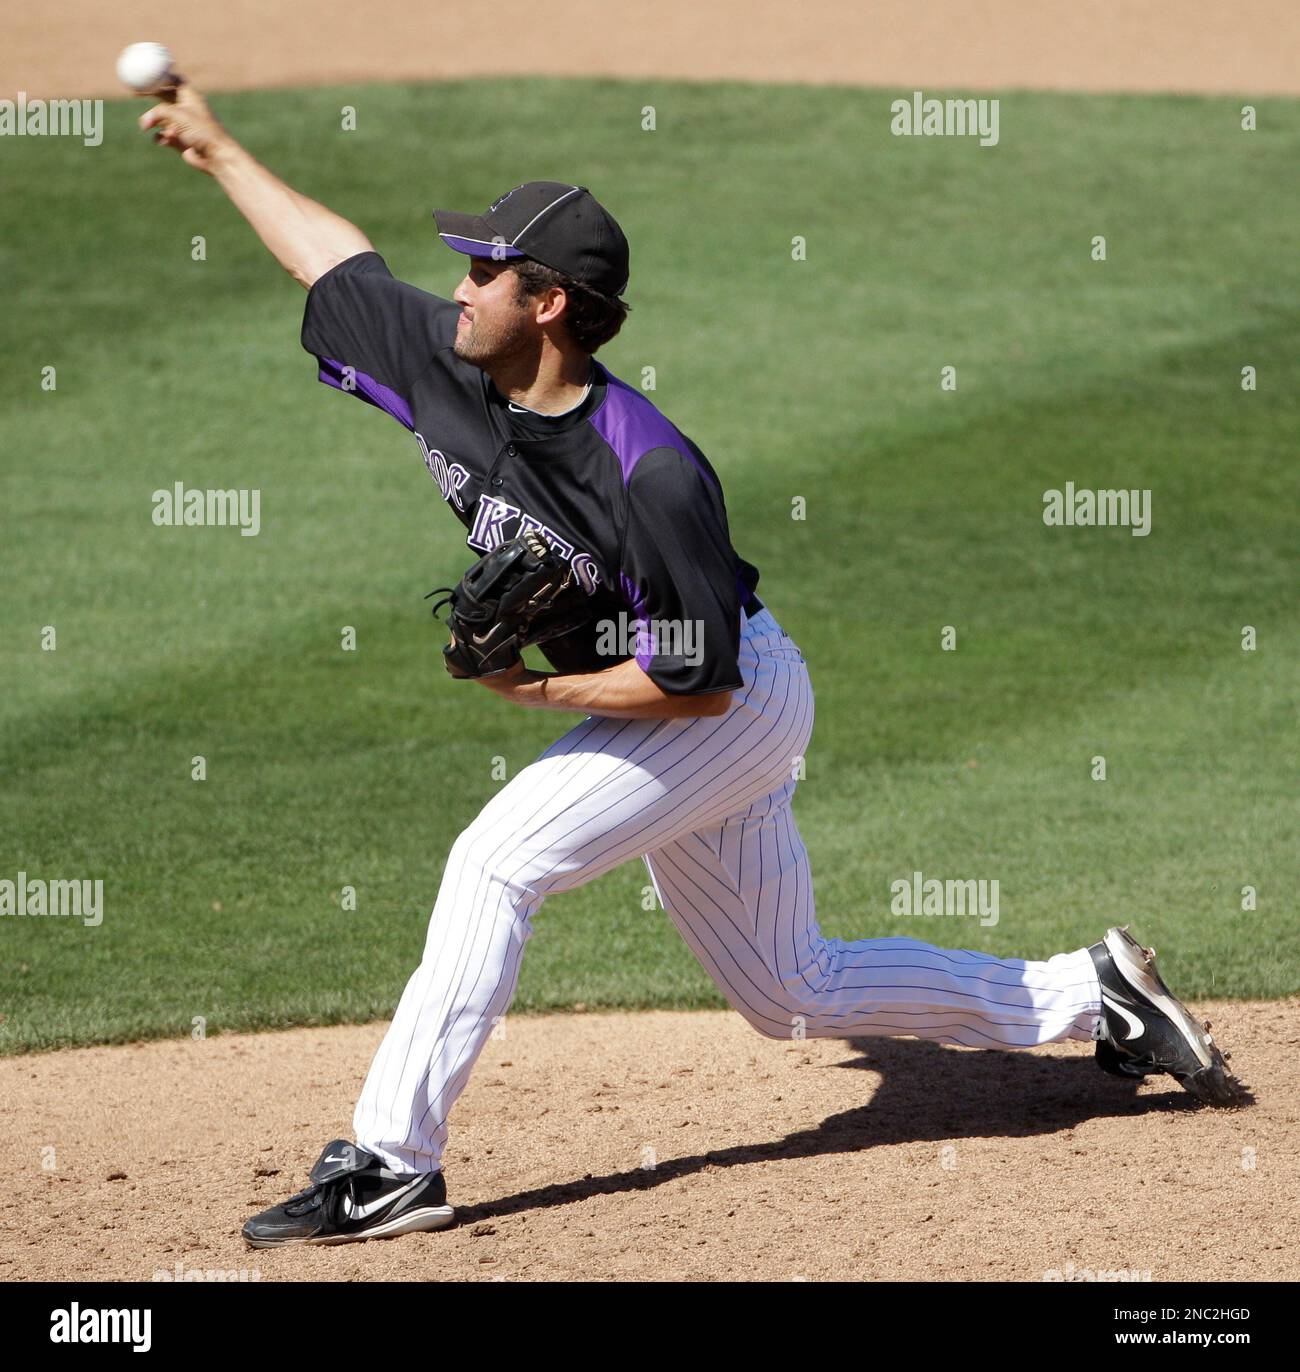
x: 188, y: 125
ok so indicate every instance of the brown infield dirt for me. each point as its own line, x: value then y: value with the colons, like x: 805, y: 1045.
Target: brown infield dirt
x: 1246, y: 47
x: 665, y: 1146
x: 669, y: 1146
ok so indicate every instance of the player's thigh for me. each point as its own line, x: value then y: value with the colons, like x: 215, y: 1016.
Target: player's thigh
x: 610, y: 790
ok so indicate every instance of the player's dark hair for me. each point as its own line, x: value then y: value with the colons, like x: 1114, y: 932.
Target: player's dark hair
x: 591, y: 317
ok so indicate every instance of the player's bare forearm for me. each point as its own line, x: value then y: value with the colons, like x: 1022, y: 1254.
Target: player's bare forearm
x: 305, y: 237
x: 621, y: 692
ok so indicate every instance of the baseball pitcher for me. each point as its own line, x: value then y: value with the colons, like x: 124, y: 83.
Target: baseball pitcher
x: 584, y: 507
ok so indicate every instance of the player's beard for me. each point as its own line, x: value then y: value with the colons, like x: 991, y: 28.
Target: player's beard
x: 503, y: 345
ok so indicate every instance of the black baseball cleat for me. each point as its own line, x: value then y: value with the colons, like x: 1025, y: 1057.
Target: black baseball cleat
x: 353, y: 1196
x: 1145, y: 1029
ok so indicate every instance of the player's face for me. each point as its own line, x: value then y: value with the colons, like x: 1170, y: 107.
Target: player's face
x: 494, y: 326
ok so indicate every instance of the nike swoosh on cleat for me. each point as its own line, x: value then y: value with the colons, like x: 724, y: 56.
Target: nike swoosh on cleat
x: 361, y: 1212
x: 1135, y: 1026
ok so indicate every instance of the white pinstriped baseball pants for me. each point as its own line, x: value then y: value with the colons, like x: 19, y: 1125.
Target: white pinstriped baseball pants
x: 706, y: 802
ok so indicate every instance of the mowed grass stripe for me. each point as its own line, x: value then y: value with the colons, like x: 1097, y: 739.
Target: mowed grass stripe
x: 816, y: 379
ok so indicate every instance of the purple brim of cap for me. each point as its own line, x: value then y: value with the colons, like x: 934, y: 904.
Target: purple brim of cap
x: 480, y: 247
x: 468, y: 233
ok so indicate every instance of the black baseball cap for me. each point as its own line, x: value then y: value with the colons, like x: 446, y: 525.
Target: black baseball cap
x: 558, y: 225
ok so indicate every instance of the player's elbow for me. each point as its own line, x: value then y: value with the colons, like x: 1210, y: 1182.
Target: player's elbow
x: 308, y: 266
x: 715, y: 703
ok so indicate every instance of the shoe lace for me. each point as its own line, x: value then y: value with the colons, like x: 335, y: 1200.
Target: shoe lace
x: 1148, y: 1062
x: 325, y: 1194
x: 296, y: 1204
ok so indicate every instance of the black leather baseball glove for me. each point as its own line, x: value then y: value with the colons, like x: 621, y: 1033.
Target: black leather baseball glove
x: 519, y: 593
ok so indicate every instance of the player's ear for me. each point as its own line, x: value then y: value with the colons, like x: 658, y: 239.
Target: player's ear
x: 554, y: 299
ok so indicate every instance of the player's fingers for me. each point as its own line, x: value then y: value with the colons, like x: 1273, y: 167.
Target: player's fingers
x: 155, y: 115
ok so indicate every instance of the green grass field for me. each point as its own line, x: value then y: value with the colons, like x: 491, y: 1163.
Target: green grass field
x: 816, y: 378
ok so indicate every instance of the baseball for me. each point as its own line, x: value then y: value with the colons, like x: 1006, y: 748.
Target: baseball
x: 145, y: 67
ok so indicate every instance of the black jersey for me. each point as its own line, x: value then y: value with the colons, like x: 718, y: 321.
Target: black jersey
x: 621, y: 493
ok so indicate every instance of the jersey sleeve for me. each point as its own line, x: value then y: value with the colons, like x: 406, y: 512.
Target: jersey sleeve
x: 372, y: 335
x: 678, y: 575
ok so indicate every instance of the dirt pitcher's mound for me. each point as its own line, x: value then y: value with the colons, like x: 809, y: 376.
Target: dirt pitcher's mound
x: 668, y: 1146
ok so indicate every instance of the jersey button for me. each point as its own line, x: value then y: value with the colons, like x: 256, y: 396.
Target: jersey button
x: 512, y: 451
x: 498, y: 481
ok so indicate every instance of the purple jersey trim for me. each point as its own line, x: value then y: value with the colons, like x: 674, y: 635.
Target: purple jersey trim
x: 645, y: 646
x: 632, y: 426
x: 379, y: 395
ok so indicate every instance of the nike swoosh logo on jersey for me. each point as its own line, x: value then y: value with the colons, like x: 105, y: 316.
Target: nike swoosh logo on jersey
x: 362, y: 1212
x: 1135, y: 1026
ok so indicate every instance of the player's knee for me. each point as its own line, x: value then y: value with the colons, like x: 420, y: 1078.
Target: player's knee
x: 777, y: 1021
x: 483, y: 859
x: 798, y: 1007
x: 793, y: 1028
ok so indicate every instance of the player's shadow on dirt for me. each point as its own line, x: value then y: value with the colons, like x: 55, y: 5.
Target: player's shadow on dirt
x: 927, y: 1093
